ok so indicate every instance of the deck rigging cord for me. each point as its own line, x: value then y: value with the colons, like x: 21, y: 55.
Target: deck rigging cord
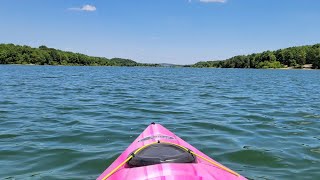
x: 186, y: 149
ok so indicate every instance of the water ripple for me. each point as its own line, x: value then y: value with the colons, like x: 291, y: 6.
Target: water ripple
x: 72, y: 122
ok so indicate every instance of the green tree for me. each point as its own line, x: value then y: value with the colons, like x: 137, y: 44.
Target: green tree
x: 289, y: 58
x: 3, y: 57
x: 316, y: 61
x: 267, y: 56
x: 300, y: 56
x: 43, y: 47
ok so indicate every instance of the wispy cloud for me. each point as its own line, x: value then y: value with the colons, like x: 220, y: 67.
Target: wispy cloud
x: 213, y: 1
x: 87, y: 8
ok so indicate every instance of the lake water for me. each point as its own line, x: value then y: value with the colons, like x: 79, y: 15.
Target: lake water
x: 72, y: 122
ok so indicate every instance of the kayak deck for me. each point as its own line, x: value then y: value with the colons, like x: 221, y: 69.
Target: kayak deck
x: 169, y: 162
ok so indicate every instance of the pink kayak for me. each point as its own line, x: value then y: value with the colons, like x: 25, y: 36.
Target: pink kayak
x: 158, y: 154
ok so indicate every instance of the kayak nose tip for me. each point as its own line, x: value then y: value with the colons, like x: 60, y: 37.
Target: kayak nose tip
x: 153, y: 123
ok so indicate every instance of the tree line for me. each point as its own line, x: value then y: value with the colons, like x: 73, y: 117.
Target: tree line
x: 16, y: 54
x: 290, y: 57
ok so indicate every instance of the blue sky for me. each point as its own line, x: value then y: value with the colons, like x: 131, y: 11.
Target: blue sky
x: 166, y: 31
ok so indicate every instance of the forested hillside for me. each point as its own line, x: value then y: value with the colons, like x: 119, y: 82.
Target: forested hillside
x: 15, y: 54
x: 289, y: 57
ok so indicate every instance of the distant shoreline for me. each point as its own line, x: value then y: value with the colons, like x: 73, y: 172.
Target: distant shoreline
x: 175, y: 66
x: 302, y: 57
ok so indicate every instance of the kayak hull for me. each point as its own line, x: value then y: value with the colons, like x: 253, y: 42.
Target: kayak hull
x: 201, y: 169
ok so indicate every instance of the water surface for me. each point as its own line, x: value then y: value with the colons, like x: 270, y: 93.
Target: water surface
x: 72, y: 122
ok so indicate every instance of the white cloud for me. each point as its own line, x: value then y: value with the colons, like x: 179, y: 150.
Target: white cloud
x: 213, y: 1
x: 87, y: 7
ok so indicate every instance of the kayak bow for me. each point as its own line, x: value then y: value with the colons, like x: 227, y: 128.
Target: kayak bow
x: 158, y: 154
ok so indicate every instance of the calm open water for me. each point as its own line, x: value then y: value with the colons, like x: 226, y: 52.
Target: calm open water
x: 72, y: 122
